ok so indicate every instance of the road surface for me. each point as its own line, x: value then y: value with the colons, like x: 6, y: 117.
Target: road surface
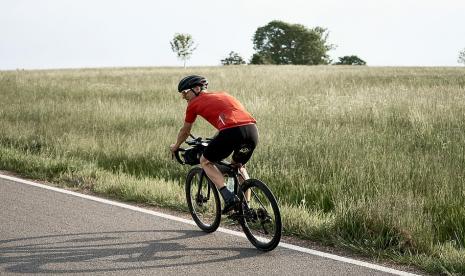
x: 45, y: 231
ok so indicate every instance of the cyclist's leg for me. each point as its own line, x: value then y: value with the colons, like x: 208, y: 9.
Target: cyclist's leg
x: 243, y: 176
x: 212, y: 172
x: 244, y: 150
x: 219, y: 148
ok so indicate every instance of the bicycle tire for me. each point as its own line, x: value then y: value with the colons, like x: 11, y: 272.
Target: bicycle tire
x: 254, y: 226
x: 204, y: 207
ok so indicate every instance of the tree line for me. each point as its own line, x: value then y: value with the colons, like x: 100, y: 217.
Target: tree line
x: 279, y: 43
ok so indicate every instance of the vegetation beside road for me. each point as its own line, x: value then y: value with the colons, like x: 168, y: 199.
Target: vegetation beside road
x: 371, y: 159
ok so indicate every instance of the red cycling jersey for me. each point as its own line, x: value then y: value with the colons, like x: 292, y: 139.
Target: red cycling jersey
x: 220, y: 109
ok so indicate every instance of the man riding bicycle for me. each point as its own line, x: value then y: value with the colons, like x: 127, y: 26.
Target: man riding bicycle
x: 237, y: 134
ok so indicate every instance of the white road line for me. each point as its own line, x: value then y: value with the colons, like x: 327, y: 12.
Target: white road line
x: 231, y: 232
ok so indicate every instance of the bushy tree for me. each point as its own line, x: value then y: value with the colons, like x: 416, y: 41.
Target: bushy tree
x: 233, y: 59
x: 279, y: 42
x: 183, y: 46
x: 257, y: 59
x: 461, y: 58
x: 350, y: 60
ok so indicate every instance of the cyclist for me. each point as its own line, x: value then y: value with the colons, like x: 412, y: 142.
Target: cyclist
x: 237, y: 131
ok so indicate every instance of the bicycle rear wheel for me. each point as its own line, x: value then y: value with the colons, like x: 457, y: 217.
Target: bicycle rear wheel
x: 203, y: 200
x: 261, y: 218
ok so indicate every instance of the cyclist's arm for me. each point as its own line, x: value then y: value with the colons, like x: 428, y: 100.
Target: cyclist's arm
x: 182, y: 135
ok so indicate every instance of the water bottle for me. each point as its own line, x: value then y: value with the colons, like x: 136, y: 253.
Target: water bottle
x: 230, y: 184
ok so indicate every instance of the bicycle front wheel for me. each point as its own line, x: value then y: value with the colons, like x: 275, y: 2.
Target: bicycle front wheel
x: 261, y: 218
x: 203, y: 200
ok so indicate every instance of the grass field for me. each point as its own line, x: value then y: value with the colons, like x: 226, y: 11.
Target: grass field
x: 371, y: 159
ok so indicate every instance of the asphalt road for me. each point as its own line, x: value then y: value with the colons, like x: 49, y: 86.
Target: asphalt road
x: 44, y: 232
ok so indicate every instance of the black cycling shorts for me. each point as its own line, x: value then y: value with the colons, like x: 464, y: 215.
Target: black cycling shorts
x: 241, y: 141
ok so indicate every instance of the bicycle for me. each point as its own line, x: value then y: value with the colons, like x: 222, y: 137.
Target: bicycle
x: 257, y: 213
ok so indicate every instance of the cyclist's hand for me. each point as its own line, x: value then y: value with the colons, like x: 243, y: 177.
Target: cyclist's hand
x: 173, y: 148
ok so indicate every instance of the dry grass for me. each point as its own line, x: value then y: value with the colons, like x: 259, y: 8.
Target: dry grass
x: 369, y: 158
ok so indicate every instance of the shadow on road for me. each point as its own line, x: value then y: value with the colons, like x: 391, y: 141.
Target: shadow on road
x: 114, y: 251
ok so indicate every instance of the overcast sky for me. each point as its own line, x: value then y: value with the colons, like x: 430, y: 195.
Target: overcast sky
x: 108, y: 33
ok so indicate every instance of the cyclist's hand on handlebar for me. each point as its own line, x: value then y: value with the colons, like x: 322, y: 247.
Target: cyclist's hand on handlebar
x: 173, y: 148
x: 175, y: 153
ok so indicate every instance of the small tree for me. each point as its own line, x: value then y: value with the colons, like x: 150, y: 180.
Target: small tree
x: 350, y: 60
x: 183, y: 46
x: 233, y: 59
x: 461, y: 58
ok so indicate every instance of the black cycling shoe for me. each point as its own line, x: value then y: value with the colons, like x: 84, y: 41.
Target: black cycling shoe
x: 230, y: 205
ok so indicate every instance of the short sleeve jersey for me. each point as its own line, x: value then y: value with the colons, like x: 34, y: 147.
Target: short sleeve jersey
x: 220, y: 109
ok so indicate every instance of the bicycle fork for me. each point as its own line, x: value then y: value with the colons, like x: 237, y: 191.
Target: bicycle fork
x: 199, y: 197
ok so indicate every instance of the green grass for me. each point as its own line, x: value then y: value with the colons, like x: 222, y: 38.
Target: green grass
x: 371, y: 159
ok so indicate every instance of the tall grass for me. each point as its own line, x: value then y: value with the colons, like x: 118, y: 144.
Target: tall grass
x: 369, y: 158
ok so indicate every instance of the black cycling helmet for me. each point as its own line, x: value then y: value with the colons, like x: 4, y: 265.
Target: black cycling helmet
x: 191, y: 82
